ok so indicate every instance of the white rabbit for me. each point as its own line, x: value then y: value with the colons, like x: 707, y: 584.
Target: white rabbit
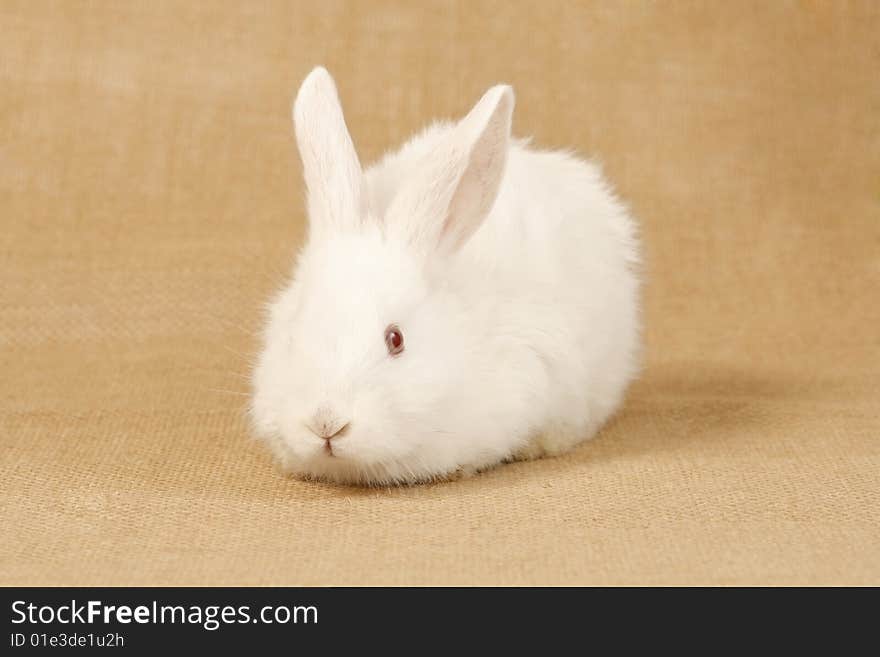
x: 465, y: 301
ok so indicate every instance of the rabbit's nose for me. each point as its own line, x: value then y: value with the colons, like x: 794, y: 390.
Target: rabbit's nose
x: 326, y: 424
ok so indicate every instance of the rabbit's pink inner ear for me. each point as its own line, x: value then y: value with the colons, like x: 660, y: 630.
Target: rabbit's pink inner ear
x: 483, y: 137
x: 451, y: 193
x: 478, y: 186
x: 332, y: 170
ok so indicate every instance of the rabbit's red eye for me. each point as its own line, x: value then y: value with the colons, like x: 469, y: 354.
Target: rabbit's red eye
x: 393, y: 340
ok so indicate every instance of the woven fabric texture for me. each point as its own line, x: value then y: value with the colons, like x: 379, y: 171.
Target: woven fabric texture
x: 150, y: 203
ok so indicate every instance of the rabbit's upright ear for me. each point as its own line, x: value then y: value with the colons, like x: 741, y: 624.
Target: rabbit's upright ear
x: 453, y: 190
x: 332, y: 170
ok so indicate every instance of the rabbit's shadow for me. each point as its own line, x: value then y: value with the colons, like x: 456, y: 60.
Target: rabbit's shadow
x: 683, y: 408
x: 691, y: 410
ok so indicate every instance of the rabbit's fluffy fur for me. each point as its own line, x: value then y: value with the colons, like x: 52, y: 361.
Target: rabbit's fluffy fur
x: 510, y: 272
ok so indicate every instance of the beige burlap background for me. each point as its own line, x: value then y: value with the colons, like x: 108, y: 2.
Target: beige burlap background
x: 150, y: 202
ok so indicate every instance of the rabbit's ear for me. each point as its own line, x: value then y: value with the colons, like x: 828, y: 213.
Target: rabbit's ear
x: 453, y: 190
x: 330, y: 164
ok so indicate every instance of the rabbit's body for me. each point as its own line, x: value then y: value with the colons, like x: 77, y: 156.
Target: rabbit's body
x: 518, y: 303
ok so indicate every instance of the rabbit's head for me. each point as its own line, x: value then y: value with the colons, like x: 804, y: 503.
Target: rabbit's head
x: 370, y: 368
